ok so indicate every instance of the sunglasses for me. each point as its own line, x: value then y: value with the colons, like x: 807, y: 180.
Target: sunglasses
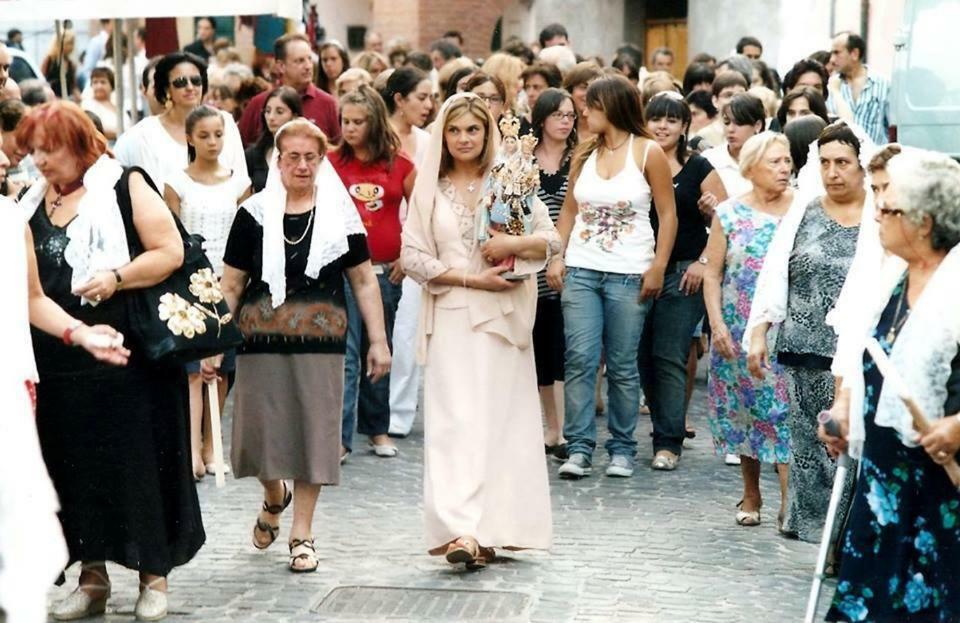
x: 181, y: 82
x: 889, y: 211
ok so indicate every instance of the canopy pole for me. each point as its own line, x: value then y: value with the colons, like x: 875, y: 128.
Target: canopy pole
x: 117, y: 52
x: 60, y: 65
x: 134, y: 78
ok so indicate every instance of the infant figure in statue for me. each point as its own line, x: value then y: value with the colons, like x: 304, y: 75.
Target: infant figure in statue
x: 507, y: 201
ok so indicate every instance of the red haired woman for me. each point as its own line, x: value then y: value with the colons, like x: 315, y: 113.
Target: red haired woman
x: 114, y: 439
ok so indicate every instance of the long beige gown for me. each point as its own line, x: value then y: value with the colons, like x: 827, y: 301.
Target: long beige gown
x: 485, y: 472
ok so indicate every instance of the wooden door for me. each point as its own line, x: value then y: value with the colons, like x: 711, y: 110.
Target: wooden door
x: 670, y: 33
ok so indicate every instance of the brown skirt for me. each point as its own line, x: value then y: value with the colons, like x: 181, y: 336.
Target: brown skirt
x: 286, y: 417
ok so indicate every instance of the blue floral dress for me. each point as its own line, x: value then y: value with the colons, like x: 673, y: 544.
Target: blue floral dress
x: 901, y: 552
x: 747, y: 416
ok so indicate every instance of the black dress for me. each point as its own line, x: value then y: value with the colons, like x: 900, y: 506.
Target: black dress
x: 901, y: 550
x: 115, y: 439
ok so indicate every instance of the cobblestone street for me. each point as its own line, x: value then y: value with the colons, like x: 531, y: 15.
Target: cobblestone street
x: 656, y: 547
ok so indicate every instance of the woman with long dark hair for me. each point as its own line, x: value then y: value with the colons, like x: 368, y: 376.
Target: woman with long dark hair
x: 611, y: 269
x: 554, y: 121
x: 675, y: 316
x: 282, y: 105
x: 378, y: 176
x: 334, y: 60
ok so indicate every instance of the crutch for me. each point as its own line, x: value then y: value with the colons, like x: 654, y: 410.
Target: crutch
x: 892, y: 378
x: 213, y: 399
x: 843, y: 466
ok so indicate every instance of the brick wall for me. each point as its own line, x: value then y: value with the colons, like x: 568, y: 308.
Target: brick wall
x: 423, y: 21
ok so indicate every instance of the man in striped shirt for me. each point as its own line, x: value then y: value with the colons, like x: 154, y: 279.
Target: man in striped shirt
x: 857, y: 94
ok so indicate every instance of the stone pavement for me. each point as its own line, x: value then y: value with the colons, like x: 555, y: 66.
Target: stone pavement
x: 658, y: 547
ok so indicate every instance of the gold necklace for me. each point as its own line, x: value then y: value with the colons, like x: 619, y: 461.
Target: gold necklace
x: 622, y: 143
x: 305, y: 230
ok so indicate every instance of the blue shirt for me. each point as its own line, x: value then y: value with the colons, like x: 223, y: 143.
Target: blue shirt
x: 872, y: 110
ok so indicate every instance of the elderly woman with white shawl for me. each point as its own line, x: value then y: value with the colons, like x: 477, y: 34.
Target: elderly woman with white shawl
x: 287, y: 254
x: 800, y: 283
x: 900, y: 551
x: 485, y: 480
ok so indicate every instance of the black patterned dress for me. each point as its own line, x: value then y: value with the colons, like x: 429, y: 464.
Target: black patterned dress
x: 115, y: 439
x: 901, y: 551
x: 822, y: 253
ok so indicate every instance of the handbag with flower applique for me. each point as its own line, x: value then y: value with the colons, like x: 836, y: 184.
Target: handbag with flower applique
x: 185, y: 317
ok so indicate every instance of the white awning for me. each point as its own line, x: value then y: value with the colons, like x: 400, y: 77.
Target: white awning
x: 48, y: 10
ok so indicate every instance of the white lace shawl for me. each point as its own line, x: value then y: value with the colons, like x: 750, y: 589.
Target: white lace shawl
x: 335, y: 218
x: 922, y: 353
x: 97, y: 238
x: 770, y: 298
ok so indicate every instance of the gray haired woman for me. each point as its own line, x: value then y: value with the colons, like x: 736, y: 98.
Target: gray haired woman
x: 903, y: 538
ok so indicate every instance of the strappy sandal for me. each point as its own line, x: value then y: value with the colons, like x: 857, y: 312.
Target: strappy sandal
x: 310, y: 557
x: 486, y: 555
x: 466, y: 549
x: 748, y: 518
x: 152, y: 603
x: 273, y: 509
x: 80, y: 604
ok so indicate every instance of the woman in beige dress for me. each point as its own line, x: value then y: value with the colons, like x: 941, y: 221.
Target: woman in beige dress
x: 485, y: 480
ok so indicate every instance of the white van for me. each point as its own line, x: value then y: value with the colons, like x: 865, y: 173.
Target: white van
x: 925, y: 92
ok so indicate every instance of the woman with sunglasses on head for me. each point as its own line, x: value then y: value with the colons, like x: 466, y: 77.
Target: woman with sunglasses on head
x: 379, y: 176
x: 675, y: 317
x: 289, y: 250
x: 612, y: 269
x: 205, y: 196
x: 159, y: 144
x: 554, y: 123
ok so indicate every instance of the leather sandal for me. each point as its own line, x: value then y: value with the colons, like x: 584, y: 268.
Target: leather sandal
x: 80, y: 604
x: 273, y: 509
x: 486, y: 555
x: 748, y: 518
x: 303, y: 549
x: 463, y: 550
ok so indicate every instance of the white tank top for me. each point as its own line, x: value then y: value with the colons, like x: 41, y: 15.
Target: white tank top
x: 612, y: 232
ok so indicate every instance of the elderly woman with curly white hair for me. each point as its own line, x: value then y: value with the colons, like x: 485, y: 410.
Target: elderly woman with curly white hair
x: 900, y: 551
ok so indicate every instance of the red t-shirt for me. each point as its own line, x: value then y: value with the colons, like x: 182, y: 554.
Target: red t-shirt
x: 318, y: 106
x: 377, y: 191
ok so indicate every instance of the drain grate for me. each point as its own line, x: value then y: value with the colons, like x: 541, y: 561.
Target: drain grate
x: 422, y: 604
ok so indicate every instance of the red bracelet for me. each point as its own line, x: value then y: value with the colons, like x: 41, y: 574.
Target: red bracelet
x: 68, y: 333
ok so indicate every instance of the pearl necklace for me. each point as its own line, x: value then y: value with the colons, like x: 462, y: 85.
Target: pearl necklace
x: 304, y: 234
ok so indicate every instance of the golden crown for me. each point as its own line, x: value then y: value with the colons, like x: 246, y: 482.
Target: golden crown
x: 509, y: 125
x: 529, y: 141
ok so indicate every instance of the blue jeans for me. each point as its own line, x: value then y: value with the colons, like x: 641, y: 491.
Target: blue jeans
x: 664, y: 350
x: 366, y: 405
x: 601, y: 311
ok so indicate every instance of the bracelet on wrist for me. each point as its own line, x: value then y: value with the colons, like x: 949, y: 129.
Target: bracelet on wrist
x: 116, y: 275
x: 68, y: 333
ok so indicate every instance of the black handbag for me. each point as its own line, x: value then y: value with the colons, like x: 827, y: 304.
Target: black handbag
x: 185, y: 317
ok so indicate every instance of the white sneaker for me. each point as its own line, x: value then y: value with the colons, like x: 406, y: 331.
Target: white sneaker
x: 731, y: 459
x: 621, y: 466
x: 576, y: 467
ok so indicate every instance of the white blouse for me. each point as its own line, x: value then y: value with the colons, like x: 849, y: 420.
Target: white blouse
x: 729, y: 171
x: 209, y: 210
x: 150, y: 146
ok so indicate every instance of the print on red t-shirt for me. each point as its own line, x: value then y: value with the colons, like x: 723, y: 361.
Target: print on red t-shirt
x: 377, y: 192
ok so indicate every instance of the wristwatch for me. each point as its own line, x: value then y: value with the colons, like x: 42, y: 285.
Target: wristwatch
x: 703, y: 260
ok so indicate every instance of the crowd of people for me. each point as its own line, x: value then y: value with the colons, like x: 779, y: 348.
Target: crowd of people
x: 341, y: 203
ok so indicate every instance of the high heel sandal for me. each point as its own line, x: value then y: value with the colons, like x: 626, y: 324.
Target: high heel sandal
x: 152, y: 604
x: 273, y: 509
x: 79, y: 604
x: 748, y: 518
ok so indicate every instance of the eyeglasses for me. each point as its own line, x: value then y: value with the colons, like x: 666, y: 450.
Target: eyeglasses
x: 560, y: 116
x: 181, y: 82
x: 295, y: 158
x: 885, y: 211
x: 491, y: 99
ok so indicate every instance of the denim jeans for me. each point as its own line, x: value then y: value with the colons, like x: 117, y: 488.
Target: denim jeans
x: 601, y: 311
x: 366, y: 404
x: 664, y: 350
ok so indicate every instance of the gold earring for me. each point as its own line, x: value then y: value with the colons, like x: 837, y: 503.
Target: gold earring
x: 168, y: 104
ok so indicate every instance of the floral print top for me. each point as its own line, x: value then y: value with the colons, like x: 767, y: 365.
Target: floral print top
x: 747, y: 416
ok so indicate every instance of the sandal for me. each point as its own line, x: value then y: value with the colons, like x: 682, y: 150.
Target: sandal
x: 665, y: 461
x: 309, y: 556
x: 273, y: 509
x: 465, y: 549
x: 486, y: 555
x: 748, y: 518
x: 80, y: 604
